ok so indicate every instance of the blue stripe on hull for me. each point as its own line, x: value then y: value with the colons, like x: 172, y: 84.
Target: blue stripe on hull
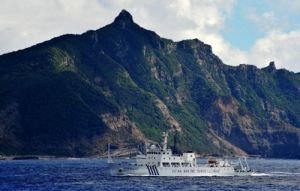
x: 156, y: 171
x: 152, y: 170
x: 148, y: 169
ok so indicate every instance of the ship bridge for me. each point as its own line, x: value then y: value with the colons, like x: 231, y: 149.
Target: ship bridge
x: 161, y: 156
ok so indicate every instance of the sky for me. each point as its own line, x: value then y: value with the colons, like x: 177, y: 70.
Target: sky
x: 240, y: 31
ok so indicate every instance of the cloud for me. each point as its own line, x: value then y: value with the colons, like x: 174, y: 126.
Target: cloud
x: 264, y: 21
x: 282, y: 5
x: 40, y: 20
x: 281, y: 47
x: 281, y: 40
x: 178, y: 20
x: 25, y: 24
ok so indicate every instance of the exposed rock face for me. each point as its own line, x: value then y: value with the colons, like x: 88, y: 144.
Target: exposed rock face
x: 124, y: 135
x: 125, y: 85
x: 271, y: 68
x: 167, y: 115
x: 122, y: 126
x: 224, y: 144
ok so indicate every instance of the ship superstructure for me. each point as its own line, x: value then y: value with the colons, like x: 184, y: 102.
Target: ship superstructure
x: 159, y: 160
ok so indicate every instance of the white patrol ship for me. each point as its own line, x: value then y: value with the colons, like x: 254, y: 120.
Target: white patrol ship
x: 160, y: 161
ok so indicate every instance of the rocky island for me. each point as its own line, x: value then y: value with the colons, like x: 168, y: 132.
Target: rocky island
x: 125, y: 85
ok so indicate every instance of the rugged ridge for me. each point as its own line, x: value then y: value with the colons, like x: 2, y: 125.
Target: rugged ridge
x: 124, y: 84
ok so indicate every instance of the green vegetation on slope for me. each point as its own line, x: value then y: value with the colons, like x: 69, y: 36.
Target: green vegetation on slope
x: 54, y: 96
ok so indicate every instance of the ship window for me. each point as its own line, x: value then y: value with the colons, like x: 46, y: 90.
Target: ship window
x: 175, y: 164
x: 164, y: 153
x: 166, y: 164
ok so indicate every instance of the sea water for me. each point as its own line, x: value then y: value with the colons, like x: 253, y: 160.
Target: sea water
x: 92, y: 174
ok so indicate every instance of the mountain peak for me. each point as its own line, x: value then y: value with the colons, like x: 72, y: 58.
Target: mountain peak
x: 271, y: 67
x: 124, y: 19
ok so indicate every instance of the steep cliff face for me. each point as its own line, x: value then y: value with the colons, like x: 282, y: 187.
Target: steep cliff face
x: 125, y: 85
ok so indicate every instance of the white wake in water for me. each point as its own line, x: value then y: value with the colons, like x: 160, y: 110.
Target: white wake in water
x: 276, y: 174
x: 285, y: 173
x: 260, y: 174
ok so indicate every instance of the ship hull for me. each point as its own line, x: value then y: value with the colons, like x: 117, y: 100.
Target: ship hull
x: 117, y: 170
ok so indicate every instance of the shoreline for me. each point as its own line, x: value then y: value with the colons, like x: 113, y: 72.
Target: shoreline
x: 52, y: 157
